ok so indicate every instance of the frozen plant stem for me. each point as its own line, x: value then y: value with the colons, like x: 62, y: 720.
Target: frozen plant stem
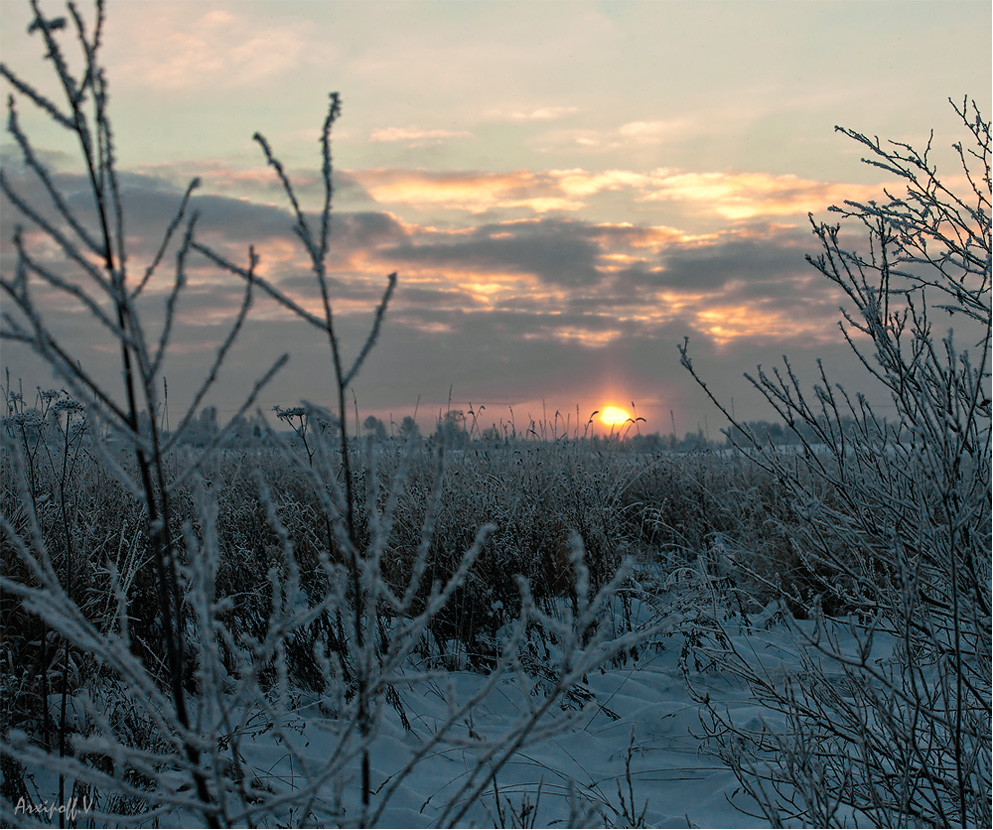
x: 97, y: 149
x: 317, y: 250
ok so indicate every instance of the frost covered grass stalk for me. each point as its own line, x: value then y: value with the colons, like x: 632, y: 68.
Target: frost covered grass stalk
x: 49, y: 436
x: 101, y: 256
x: 341, y: 516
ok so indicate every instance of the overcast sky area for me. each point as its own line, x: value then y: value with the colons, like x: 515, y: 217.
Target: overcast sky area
x: 566, y: 190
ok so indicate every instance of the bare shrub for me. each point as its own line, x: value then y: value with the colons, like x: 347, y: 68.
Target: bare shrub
x: 887, y: 718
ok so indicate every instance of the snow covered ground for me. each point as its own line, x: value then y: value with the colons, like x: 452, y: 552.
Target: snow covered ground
x: 640, y: 717
x: 628, y: 750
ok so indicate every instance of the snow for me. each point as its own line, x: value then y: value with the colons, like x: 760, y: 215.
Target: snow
x: 628, y: 749
x: 646, y: 707
x: 639, y: 716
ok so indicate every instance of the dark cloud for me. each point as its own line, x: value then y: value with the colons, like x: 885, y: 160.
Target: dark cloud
x: 711, y: 267
x: 604, y: 301
x: 660, y: 278
x: 240, y: 220
x: 348, y: 189
x: 150, y: 204
x: 556, y: 251
x: 809, y: 297
x: 415, y: 296
x: 736, y: 258
x: 365, y: 228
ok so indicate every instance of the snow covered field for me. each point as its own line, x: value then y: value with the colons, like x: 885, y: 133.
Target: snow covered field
x: 626, y: 747
x: 632, y: 753
x: 673, y: 696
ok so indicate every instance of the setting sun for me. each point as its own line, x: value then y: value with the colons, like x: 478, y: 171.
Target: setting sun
x: 614, y: 416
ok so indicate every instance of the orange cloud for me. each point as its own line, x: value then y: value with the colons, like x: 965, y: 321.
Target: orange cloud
x: 473, y: 192
x: 747, y: 195
x: 734, y: 196
x: 590, y: 339
x: 578, y: 182
x: 728, y: 323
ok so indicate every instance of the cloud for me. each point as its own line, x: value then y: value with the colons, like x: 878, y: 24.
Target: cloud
x: 596, y: 282
x: 549, y: 307
x: 230, y: 226
x: 578, y: 182
x: 651, y: 131
x: 175, y: 49
x: 257, y: 183
x: 543, y: 114
x: 747, y: 282
x: 725, y: 196
x: 748, y: 195
x: 632, y: 135
x: 554, y: 251
x: 414, y: 134
x: 470, y: 191
x: 735, y: 257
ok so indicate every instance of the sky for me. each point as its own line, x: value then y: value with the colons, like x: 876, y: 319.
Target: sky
x: 565, y: 189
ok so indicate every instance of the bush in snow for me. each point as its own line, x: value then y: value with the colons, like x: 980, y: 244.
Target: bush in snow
x: 887, y: 718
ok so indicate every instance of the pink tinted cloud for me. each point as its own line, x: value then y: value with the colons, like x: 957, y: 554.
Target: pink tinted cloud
x: 173, y: 47
x: 415, y: 134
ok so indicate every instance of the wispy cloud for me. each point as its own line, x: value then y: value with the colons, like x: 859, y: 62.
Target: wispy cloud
x: 726, y: 196
x: 631, y: 135
x: 172, y: 47
x: 415, y: 134
x: 578, y: 182
x: 542, y: 114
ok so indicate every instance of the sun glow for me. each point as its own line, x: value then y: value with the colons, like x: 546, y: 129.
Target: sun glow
x: 614, y: 416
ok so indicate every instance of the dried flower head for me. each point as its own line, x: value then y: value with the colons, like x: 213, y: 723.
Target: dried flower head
x: 31, y: 419
x: 292, y: 412
x: 68, y: 405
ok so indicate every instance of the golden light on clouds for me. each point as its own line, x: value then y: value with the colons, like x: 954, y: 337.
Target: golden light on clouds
x: 580, y: 182
x: 473, y: 192
x: 739, y: 196
x: 728, y: 323
x: 734, y: 196
x: 592, y: 339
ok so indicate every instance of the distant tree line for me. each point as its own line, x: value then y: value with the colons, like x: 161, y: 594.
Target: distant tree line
x: 456, y: 430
